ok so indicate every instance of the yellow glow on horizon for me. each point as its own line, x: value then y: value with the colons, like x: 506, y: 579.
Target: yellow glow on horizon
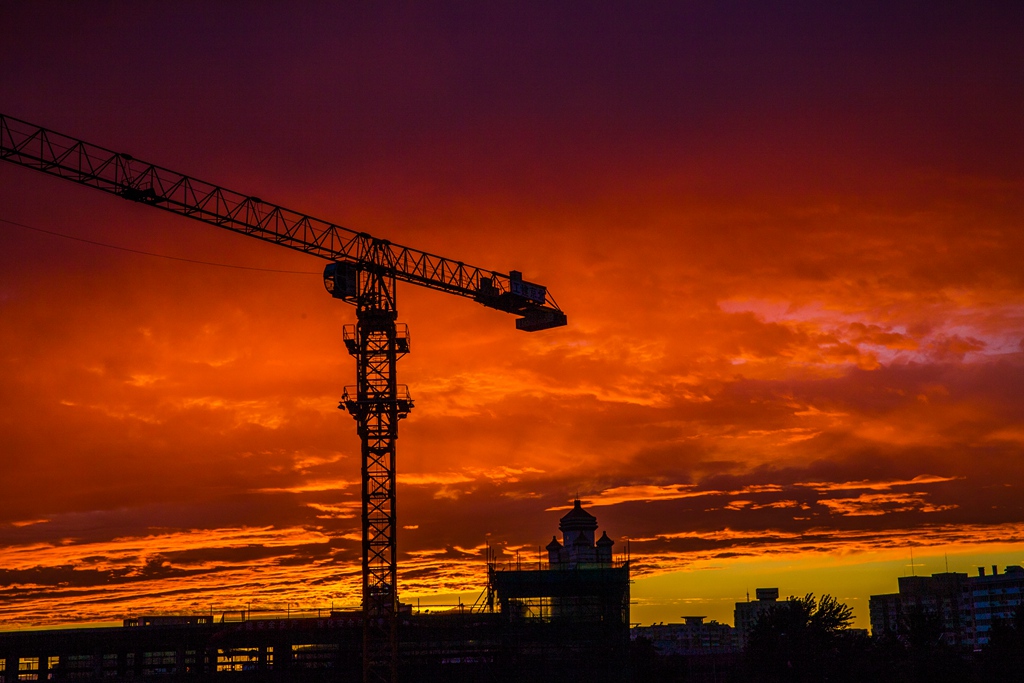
x: 716, y: 585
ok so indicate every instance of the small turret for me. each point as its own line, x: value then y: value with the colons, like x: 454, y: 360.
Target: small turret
x: 554, y: 551
x: 604, y: 548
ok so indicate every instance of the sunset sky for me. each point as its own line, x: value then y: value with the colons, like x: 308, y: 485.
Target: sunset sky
x: 788, y: 239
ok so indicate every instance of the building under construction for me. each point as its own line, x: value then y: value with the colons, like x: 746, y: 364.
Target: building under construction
x: 567, y: 617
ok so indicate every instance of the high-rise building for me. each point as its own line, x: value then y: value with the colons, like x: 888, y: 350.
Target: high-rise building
x: 746, y: 613
x: 965, y: 607
x: 992, y: 597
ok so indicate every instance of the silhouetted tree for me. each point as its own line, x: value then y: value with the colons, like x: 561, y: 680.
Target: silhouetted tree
x: 930, y: 658
x: 646, y: 664
x: 917, y: 652
x: 886, y: 660
x: 801, y: 640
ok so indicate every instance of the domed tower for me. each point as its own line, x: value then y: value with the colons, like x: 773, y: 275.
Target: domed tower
x: 578, y: 527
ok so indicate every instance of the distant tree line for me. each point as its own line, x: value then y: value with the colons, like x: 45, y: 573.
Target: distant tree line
x: 809, y: 640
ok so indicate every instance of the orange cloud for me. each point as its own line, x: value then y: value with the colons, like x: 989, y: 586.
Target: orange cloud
x: 823, y: 487
x: 799, y: 332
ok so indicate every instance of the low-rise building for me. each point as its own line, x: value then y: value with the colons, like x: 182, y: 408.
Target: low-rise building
x: 692, y: 637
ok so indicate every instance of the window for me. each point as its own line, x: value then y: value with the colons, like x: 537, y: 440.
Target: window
x: 71, y: 667
x: 315, y: 655
x: 162, y: 662
x: 238, y: 659
x: 28, y: 668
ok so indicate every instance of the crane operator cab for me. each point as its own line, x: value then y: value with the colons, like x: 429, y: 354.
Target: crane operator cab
x: 341, y: 279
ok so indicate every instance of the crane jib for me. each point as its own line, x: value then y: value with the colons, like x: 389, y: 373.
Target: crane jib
x: 122, y: 174
x: 526, y: 299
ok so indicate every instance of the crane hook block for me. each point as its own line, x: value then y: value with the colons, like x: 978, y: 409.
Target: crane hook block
x: 342, y: 280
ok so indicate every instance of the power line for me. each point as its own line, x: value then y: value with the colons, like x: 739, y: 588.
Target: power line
x: 149, y: 253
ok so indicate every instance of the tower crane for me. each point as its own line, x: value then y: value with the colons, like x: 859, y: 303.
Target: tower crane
x: 363, y: 271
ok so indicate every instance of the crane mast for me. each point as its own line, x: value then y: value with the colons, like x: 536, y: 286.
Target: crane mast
x: 377, y: 406
x: 363, y: 271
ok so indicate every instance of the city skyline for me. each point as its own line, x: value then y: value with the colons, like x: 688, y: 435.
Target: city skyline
x: 787, y: 242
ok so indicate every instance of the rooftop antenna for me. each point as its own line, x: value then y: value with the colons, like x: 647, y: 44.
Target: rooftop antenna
x: 946, y: 557
x: 913, y: 569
